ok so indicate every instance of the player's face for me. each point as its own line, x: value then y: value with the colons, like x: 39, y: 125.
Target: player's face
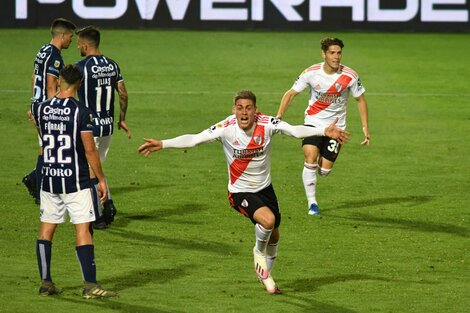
x: 66, y: 39
x: 82, y: 46
x: 332, y: 58
x: 245, y: 111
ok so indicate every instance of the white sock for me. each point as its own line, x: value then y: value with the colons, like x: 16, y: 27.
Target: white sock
x: 271, y: 254
x: 262, y: 237
x: 309, y: 177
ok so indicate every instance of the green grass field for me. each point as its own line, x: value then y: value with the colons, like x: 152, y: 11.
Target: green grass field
x: 394, y: 231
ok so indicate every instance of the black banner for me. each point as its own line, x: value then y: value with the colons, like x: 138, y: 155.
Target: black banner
x: 313, y: 15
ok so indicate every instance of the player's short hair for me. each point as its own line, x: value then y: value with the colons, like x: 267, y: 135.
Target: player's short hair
x: 245, y: 94
x: 61, y: 26
x: 70, y: 74
x: 90, y: 34
x: 325, y: 43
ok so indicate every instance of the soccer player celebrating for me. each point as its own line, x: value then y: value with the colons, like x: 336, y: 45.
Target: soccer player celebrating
x: 100, y: 77
x: 47, y: 65
x: 66, y: 132
x: 330, y: 84
x: 246, y: 138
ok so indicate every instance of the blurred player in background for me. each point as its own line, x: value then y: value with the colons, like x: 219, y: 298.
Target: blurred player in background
x: 246, y: 138
x: 100, y: 77
x: 66, y: 131
x: 47, y: 65
x: 330, y: 84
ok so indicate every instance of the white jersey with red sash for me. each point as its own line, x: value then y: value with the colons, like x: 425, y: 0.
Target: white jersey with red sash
x: 247, y: 152
x: 329, y: 94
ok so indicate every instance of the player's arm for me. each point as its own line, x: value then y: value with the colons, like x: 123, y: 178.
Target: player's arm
x: 184, y: 141
x: 93, y: 159
x: 123, y: 100
x: 301, y: 131
x: 52, y: 85
x: 363, y: 112
x: 286, y: 101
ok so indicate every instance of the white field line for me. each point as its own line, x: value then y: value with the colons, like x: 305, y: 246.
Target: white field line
x: 206, y: 92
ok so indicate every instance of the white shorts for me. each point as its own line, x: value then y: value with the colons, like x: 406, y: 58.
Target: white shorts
x: 79, y: 205
x: 102, y: 145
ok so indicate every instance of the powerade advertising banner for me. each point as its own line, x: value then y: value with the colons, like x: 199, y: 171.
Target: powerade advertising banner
x: 314, y: 15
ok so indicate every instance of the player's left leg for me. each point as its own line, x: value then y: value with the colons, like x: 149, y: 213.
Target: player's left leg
x: 309, y: 175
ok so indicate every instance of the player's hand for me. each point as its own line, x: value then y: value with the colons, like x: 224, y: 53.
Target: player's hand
x: 366, y: 140
x: 150, y: 145
x: 334, y: 132
x: 102, y: 191
x: 123, y: 125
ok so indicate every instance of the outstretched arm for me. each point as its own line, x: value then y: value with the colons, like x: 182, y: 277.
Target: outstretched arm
x: 300, y: 131
x: 184, y: 141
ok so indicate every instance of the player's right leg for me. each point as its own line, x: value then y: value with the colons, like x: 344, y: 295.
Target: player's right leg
x: 309, y: 177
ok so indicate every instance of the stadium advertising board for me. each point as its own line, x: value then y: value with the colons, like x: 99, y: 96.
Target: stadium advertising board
x: 396, y: 15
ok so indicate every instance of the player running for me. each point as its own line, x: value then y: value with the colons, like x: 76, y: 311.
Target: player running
x: 246, y: 138
x: 330, y: 84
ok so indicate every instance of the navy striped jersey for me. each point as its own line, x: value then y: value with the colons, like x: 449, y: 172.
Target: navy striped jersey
x: 60, y: 123
x: 48, y: 61
x: 100, y: 76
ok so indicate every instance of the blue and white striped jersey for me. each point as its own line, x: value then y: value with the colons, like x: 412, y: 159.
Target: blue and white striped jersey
x: 48, y: 61
x: 100, y: 76
x: 60, y: 123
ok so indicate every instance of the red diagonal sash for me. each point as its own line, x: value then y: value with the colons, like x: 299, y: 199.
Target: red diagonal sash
x: 238, y: 166
x: 319, y: 105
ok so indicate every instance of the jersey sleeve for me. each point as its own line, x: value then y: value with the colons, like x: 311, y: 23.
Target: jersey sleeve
x: 54, y: 65
x: 191, y: 140
x: 118, y: 73
x: 301, y: 82
x: 357, y: 88
x: 85, y: 123
x: 298, y: 131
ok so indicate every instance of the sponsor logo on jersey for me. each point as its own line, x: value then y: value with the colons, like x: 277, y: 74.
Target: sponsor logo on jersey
x: 247, y: 153
x: 327, y: 97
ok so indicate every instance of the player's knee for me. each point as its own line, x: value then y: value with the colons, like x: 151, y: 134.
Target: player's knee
x: 311, y: 166
x: 324, y: 171
x: 267, y: 221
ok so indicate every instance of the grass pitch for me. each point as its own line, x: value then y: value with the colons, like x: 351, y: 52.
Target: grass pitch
x: 394, y: 231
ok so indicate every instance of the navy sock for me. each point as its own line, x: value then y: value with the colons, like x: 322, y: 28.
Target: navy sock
x: 43, y: 254
x: 86, y: 257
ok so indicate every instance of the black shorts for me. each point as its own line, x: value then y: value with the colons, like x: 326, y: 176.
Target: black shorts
x: 247, y: 203
x: 329, y: 148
